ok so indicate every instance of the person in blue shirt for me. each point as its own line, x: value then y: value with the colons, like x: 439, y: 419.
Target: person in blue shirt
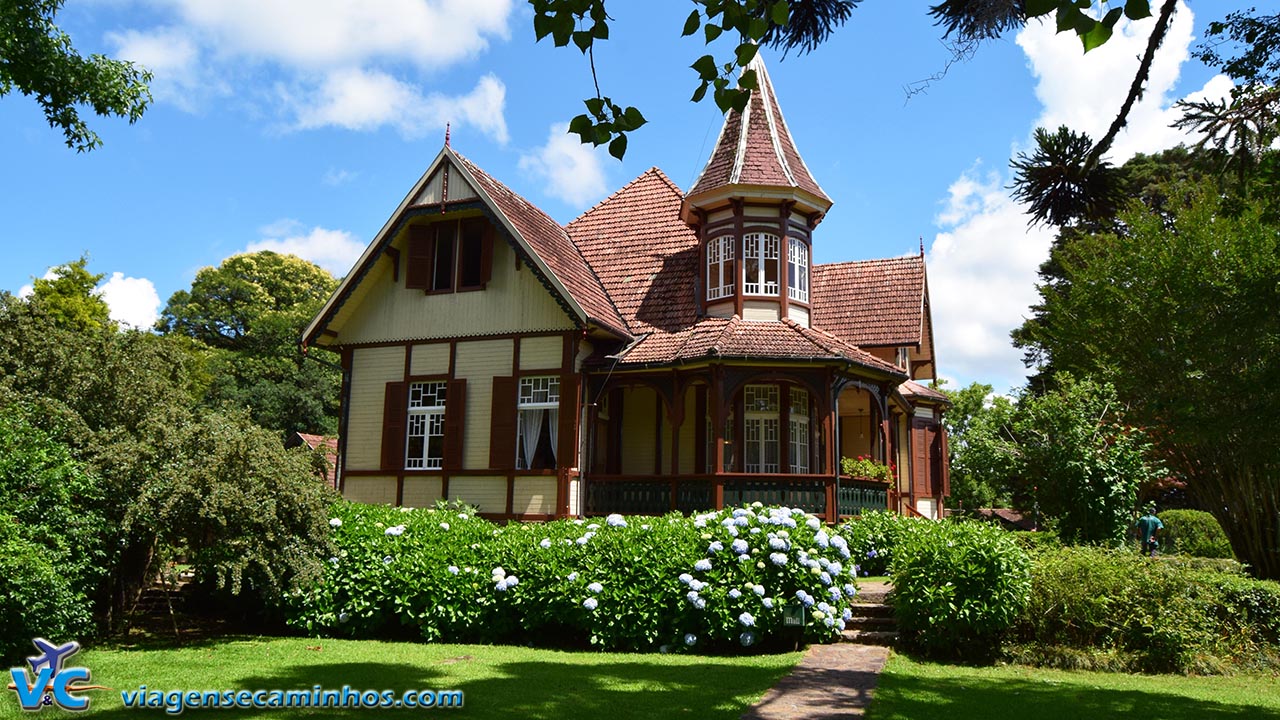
x: 1149, y: 527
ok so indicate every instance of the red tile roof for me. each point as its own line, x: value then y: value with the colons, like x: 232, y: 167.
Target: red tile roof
x: 871, y: 302
x: 555, y: 248
x: 913, y: 389
x: 755, y: 147
x: 646, y: 257
x: 733, y: 337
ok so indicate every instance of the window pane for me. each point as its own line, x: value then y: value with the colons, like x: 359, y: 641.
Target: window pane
x: 472, y: 247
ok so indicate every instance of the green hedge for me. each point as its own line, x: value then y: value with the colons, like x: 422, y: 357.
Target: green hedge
x: 958, y: 587
x: 714, y: 581
x: 1115, y: 610
x: 873, y: 538
x: 37, y: 599
x: 1194, y: 532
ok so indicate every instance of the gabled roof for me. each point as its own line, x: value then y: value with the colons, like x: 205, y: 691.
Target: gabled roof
x: 872, y: 303
x: 913, y: 390
x: 713, y: 338
x: 646, y: 256
x: 537, y: 238
x: 755, y: 148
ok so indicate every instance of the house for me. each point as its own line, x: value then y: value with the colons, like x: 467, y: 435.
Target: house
x: 667, y: 350
x: 324, y: 450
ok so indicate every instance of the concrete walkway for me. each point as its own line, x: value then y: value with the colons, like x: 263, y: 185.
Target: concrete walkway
x: 830, y: 682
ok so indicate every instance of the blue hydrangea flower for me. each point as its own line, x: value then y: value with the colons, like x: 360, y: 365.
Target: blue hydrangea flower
x: 715, y: 547
x: 394, y: 530
x: 546, y: 543
x: 840, y: 625
x: 333, y: 560
x: 824, y: 607
x: 702, y: 565
x: 813, y: 523
x: 386, y: 560
x: 825, y: 578
x: 512, y: 581
x: 847, y: 615
x: 742, y: 521
x: 777, y: 543
x: 778, y: 559
x: 335, y: 522
x: 821, y: 539
x: 692, y: 596
x: 590, y: 603
x: 740, y: 546
x: 746, y: 619
x: 872, y: 553
x: 728, y: 522
x: 595, y: 587
x: 343, y: 617
x: 690, y: 639
x: 615, y: 520
x: 697, y: 585
x: 453, y: 569
x: 443, y: 526
x: 733, y: 532
x: 758, y: 590
x: 462, y: 516
x: 573, y: 576
x: 828, y: 621
x: 838, y: 542
x: 686, y: 578
x: 747, y: 639
x: 804, y: 598
x: 789, y: 522
x: 767, y: 603
x: 835, y: 593
x: 735, y: 593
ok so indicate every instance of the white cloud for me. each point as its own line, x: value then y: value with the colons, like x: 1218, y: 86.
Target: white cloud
x: 133, y: 302
x: 333, y: 250
x: 334, y: 177
x: 573, y: 172
x: 982, y: 266
x: 25, y: 291
x: 338, y: 58
x: 358, y: 99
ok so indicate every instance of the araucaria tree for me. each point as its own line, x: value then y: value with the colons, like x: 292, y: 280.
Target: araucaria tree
x: 1179, y: 308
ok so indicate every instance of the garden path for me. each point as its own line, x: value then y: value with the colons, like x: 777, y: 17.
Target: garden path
x: 830, y: 682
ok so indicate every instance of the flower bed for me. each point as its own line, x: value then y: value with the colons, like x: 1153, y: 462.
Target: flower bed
x: 715, y: 581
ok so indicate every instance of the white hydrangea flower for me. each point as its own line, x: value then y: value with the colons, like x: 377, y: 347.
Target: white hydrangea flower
x: 335, y: 522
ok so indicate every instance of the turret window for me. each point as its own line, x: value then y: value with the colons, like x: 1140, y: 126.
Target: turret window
x: 720, y: 255
x: 760, y: 253
x: 797, y: 270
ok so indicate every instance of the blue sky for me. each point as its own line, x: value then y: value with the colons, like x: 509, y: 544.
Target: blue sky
x: 299, y: 126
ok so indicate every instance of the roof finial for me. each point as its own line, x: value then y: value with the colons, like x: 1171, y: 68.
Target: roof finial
x: 446, y: 134
x: 446, y: 142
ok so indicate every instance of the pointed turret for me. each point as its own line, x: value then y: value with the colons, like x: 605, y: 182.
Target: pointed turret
x: 755, y: 157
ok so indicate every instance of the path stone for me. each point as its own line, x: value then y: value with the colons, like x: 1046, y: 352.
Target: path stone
x: 830, y: 682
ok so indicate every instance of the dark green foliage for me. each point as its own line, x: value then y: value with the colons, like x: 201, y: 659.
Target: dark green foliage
x: 976, y: 425
x: 1193, y: 532
x: 1058, y: 184
x: 37, y: 598
x: 958, y: 587
x: 441, y: 575
x: 249, y: 313
x: 1133, y: 613
x: 37, y: 58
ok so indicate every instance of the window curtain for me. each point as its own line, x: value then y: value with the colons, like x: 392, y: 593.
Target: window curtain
x: 530, y: 429
x: 553, y: 426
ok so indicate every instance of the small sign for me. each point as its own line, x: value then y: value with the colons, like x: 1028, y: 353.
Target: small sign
x: 793, y: 614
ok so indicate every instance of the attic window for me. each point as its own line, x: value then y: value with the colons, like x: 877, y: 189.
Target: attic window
x: 761, y: 256
x: 450, y: 256
x: 720, y: 279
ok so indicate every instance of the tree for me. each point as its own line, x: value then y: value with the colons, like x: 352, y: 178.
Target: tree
x: 250, y: 311
x: 805, y: 24
x: 37, y: 58
x: 1180, y: 310
x: 979, y: 468
x: 70, y: 298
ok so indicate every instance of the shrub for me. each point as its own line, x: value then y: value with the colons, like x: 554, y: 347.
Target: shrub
x: 37, y: 598
x: 1146, y: 616
x: 1194, y: 532
x: 617, y: 583
x: 864, y: 467
x: 873, y: 538
x: 958, y: 587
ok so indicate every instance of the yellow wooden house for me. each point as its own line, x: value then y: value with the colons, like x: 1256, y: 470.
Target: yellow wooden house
x: 667, y: 350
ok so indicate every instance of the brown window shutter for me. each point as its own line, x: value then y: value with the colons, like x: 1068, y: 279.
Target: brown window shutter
x: 567, y: 453
x: 422, y: 249
x: 944, y: 460
x: 455, y: 417
x: 486, y: 254
x: 394, y: 402
x: 919, y: 459
x: 502, y: 424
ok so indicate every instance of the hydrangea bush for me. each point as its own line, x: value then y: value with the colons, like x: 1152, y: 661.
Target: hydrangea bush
x: 715, y: 581
x: 873, y: 538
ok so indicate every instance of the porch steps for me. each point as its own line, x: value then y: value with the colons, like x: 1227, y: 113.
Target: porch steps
x: 872, y: 622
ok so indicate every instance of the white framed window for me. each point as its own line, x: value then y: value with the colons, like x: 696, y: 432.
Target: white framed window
x: 760, y: 261
x: 424, y: 442
x: 720, y: 255
x: 799, y: 427
x: 797, y: 270
x: 537, y: 422
x: 760, y: 430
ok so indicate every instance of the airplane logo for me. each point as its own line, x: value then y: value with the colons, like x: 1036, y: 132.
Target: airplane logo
x: 53, y: 656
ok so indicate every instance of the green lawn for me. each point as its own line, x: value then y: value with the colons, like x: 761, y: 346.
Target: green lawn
x: 911, y: 690
x: 497, y: 681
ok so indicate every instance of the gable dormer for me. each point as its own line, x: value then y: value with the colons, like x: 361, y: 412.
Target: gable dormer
x: 755, y: 207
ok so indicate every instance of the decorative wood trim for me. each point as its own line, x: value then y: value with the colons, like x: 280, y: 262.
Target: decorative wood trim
x: 784, y: 259
x: 739, y: 264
